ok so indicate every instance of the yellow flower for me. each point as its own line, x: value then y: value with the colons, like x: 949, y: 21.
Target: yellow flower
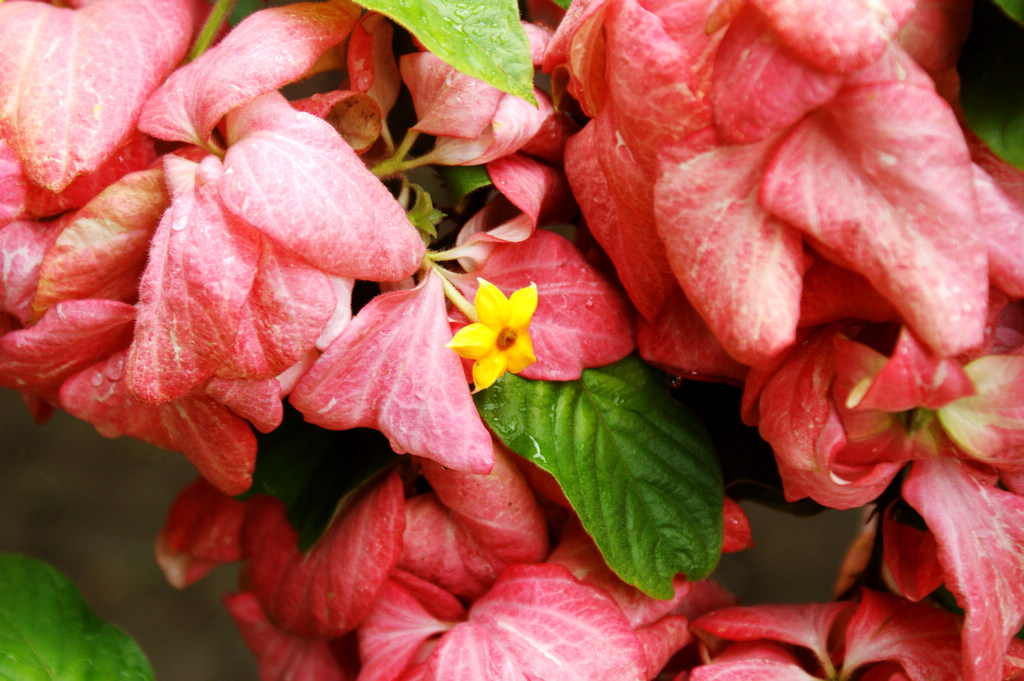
x: 499, y: 342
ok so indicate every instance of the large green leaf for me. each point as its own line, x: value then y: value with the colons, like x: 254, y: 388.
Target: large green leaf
x: 992, y: 87
x: 315, y: 471
x: 638, y: 468
x: 1013, y: 8
x: 482, y: 38
x: 48, y: 633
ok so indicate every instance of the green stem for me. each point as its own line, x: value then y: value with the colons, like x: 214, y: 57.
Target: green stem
x: 210, y: 28
x: 396, y: 162
x: 452, y: 293
x: 450, y: 253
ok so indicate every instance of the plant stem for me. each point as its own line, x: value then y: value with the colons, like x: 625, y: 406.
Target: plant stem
x: 396, y: 162
x: 452, y: 293
x: 210, y: 28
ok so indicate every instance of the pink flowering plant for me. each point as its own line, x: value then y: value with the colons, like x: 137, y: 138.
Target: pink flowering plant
x: 423, y: 291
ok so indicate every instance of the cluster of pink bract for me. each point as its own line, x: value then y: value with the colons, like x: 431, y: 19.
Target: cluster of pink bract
x: 776, y: 193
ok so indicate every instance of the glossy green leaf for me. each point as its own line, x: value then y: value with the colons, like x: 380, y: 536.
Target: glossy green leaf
x: 481, y: 38
x: 423, y: 216
x: 564, y: 4
x: 1013, y: 9
x: 243, y: 8
x: 314, y: 471
x: 464, y: 180
x: 638, y: 467
x: 48, y: 633
x: 991, y: 82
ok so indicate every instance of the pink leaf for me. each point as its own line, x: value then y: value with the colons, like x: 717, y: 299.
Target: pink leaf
x: 469, y: 653
x: 72, y: 82
x: 280, y: 655
x: 257, y: 401
x: 760, y: 86
x: 201, y: 267
x: 662, y: 640
x: 990, y: 425
x: 371, y: 62
x: 841, y: 36
x: 922, y: 638
x: 23, y: 245
x: 13, y: 185
x: 616, y: 198
x: 393, y: 631
x: 101, y: 250
x: 906, y: 218
x: 345, y: 222
x: 911, y: 556
x: 681, y: 343
x: 203, y: 529
x: 284, y: 41
x: 477, y: 526
x: 448, y: 103
x: 72, y: 336
x: 288, y: 307
x: 389, y: 370
x: 329, y: 590
x: 741, y: 267
x: 515, y: 123
x: 582, y: 320
x: 219, y: 444
x: 558, y: 629
x: 980, y: 534
x: 751, y: 670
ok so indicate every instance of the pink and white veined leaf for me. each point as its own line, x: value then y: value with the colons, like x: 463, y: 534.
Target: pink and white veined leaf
x: 290, y: 175
x: 202, y: 262
x: 515, y: 123
x: 469, y: 653
x: 582, y: 319
x: 258, y: 401
x: 73, y: 335
x: 285, y: 42
x: 556, y: 628
x: 922, y: 638
x: 760, y: 86
x: 906, y: 217
x: 448, y: 103
x: 980, y: 535
x: 661, y: 640
x: 101, y: 249
x: 23, y: 245
x: 740, y: 266
x: 659, y: 62
x: 935, y: 33
x: 841, y: 36
x: 288, y: 308
x: 390, y: 370
x: 281, y: 655
x: 438, y: 602
x: 393, y: 632
x: 72, y: 82
x: 327, y: 591
x: 1000, y: 190
x: 203, y: 529
x: 342, y: 315
x: 464, y: 533
x: 628, y: 236
x: 219, y: 444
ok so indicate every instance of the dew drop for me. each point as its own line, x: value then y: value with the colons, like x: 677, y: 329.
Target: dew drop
x: 96, y: 379
x: 178, y: 225
x: 115, y: 370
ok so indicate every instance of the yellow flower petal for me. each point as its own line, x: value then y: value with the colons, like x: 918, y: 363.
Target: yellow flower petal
x: 473, y: 341
x: 522, y: 305
x: 488, y: 370
x: 520, y: 355
x: 491, y: 305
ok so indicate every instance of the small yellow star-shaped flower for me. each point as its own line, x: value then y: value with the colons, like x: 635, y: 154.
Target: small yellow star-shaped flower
x: 499, y: 342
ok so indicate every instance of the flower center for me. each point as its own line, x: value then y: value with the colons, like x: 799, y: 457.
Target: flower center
x: 506, y: 339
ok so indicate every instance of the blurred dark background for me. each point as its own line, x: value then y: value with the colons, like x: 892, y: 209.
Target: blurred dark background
x: 91, y: 507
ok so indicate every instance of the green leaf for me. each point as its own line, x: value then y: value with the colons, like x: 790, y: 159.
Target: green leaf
x: 638, y: 468
x: 481, y: 38
x: 564, y: 4
x: 423, y: 216
x: 991, y: 86
x: 315, y: 471
x: 243, y: 8
x: 464, y: 180
x: 48, y: 633
x: 1013, y: 9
